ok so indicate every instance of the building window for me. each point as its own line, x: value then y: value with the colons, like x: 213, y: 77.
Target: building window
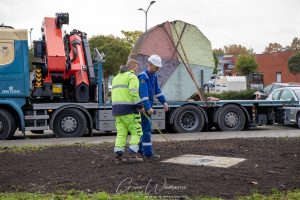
x: 278, y: 77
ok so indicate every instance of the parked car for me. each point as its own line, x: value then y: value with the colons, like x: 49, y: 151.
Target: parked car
x: 268, y: 89
x: 291, y: 93
x: 285, y: 93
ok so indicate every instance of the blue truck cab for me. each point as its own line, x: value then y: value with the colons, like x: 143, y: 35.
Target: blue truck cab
x: 14, y: 79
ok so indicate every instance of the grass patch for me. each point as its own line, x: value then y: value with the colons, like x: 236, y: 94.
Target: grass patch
x: 276, y: 195
x: 73, y: 195
x: 79, y: 195
x: 23, y: 149
x: 36, y: 148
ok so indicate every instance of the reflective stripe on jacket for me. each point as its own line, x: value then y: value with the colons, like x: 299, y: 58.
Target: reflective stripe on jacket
x: 125, y: 94
x: 149, y: 89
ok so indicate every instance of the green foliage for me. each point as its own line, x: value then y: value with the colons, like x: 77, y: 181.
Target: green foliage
x: 233, y: 49
x: 21, y: 149
x: 276, y: 195
x: 30, y: 58
x: 131, y: 37
x: 295, y: 45
x: 73, y: 195
x: 276, y: 47
x: 232, y: 95
x: 116, y: 52
x: 216, y: 63
x: 237, y: 49
x: 218, y: 52
x: 246, y: 64
x: 79, y: 195
x: 273, y: 47
x: 35, y: 148
x: 294, y: 63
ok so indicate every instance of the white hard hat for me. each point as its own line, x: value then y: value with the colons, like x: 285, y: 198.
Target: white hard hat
x: 155, y: 60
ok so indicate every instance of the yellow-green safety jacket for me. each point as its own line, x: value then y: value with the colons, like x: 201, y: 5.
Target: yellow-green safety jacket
x: 125, y: 94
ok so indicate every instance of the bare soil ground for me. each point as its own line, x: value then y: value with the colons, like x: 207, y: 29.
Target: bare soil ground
x: 270, y: 163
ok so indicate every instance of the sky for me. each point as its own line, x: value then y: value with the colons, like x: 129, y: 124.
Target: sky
x: 251, y: 23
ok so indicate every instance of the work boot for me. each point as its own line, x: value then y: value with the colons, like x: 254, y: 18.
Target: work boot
x: 134, y: 158
x: 119, y: 158
x: 154, y: 157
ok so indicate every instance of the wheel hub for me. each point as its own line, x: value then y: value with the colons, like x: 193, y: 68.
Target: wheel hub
x: 231, y: 119
x: 188, y: 120
x: 69, y: 124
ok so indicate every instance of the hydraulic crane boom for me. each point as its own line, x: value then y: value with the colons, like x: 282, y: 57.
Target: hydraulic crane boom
x: 66, y: 69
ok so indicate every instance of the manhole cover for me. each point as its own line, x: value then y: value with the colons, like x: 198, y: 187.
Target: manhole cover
x: 202, y: 160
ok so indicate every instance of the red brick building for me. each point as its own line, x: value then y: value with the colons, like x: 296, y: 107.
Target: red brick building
x: 274, y: 66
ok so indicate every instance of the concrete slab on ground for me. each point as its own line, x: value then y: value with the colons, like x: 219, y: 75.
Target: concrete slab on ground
x: 203, y: 160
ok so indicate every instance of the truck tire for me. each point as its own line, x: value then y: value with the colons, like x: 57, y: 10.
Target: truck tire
x: 70, y: 122
x: 7, y: 125
x: 188, y: 119
x: 231, y: 118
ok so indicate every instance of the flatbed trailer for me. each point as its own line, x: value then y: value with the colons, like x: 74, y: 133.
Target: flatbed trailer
x: 183, y: 116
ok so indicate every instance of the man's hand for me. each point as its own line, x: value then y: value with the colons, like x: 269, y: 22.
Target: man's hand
x: 166, y: 107
x: 142, y: 110
x: 150, y: 111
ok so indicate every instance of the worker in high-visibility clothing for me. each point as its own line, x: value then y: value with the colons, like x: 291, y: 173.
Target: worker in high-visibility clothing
x: 126, y: 105
x: 149, y: 88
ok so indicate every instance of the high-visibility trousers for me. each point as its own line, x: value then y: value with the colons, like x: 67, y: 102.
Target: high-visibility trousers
x: 124, y: 124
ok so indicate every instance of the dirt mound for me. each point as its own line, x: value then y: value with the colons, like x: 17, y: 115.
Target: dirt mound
x: 270, y: 163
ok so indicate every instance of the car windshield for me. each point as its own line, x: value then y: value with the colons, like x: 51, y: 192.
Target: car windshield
x: 297, y: 92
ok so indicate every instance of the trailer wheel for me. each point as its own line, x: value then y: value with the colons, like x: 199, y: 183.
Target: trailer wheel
x: 188, y: 119
x: 231, y: 118
x: 70, y: 122
x: 7, y: 125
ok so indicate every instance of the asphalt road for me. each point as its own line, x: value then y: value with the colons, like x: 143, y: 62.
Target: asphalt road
x: 48, y: 137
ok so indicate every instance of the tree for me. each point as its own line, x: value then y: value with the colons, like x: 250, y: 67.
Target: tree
x: 295, y: 45
x: 234, y: 49
x: 30, y: 58
x: 116, y: 52
x: 131, y: 37
x: 216, y: 63
x: 245, y: 65
x: 294, y: 63
x: 218, y: 52
x: 273, y: 47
